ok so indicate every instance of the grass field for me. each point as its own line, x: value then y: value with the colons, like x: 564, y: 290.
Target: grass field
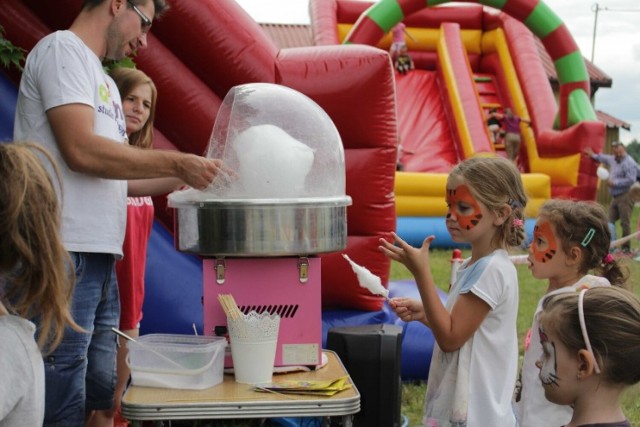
x: 530, y: 292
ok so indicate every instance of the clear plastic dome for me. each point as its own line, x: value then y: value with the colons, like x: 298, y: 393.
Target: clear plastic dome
x: 280, y: 143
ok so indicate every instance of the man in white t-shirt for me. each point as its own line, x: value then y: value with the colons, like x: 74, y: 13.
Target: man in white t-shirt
x: 69, y: 105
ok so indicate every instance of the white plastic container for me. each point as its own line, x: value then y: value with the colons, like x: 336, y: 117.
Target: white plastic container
x: 176, y: 361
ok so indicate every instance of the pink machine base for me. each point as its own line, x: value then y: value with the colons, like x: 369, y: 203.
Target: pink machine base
x: 273, y: 285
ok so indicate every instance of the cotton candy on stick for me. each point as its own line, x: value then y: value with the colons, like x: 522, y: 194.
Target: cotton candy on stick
x: 367, y: 279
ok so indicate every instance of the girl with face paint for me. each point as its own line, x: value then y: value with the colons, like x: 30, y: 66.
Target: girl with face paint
x: 474, y: 363
x: 570, y: 240
x: 591, y: 342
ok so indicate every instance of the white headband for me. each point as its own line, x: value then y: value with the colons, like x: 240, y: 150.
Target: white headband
x: 583, y: 326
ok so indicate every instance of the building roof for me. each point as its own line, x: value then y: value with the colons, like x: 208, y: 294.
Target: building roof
x: 611, y: 121
x: 289, y: 35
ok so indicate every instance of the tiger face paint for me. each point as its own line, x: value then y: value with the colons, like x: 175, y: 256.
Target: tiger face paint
x: 464, y: 206
x: 559, y: 369
x: 547, y: 362
x: 544, y: 245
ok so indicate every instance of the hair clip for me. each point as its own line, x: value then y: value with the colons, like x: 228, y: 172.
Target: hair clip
x: 518, y: 223
x: 608, y: 259
x: 588, y: 237
x: 514, y: 204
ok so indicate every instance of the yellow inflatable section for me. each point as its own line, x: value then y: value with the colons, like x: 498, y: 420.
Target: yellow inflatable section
x: 423, y: 194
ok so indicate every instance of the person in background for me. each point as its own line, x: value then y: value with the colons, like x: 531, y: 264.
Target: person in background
x: 494, y: 124
x: 512, y: 135
x: 69, y: 105
x: 404, y: 63
x: 634, y: 193
x: 622, y: 175
x: 570, y: 239
x: 36, y: 281
x: 591, y: 343
x: 475, y: 360
x: 397, y: 40
x: 139, y: 95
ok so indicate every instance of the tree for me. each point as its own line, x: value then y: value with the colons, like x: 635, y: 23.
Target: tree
x: 9, y: 53
x: 633, y: 149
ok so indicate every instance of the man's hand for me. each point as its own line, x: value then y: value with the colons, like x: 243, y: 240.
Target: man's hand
x: 198, y: 172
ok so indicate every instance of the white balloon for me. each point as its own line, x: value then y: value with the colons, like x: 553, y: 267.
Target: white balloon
x: 602, y: 173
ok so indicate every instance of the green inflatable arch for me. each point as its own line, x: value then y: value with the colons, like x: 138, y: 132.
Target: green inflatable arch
x: 574, y: 102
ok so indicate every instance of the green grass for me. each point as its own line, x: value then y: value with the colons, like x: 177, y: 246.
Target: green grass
x: 531, y: 290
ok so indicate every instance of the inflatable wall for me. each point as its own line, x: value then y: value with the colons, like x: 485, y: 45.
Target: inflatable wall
x: 201, y: 49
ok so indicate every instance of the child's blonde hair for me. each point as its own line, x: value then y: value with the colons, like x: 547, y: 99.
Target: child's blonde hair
x: 37, y: 270
x: 612, y: 320
x: 496, y: 182
x: 585, y: 225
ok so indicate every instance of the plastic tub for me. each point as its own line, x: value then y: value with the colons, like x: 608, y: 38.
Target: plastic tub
x: 176, y: 361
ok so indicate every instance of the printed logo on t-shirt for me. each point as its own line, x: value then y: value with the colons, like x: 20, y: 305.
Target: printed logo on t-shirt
x: 139, y: 201
x: 111, y: 109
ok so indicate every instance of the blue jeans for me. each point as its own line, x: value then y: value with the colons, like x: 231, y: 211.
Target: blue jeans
x: 80, y: 375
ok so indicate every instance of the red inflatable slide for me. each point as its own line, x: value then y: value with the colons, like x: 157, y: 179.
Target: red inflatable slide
x: 470, y: 58
x: 201, y: 49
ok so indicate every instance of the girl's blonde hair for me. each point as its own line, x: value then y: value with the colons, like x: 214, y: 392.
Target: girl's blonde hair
x: 612, y: 320
x: 496, y: 182
x: 37, y: 270
x: 127, y: 79
x: 585, y: 225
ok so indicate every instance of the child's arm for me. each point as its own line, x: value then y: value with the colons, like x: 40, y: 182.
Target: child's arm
x: 408, y: 34
x: 451, y: 330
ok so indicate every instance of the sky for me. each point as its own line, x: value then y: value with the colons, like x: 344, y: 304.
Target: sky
x: 617, y: 45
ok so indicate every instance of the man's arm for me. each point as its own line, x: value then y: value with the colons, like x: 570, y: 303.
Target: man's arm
x: 152, y: 186
x: 601, y: 158
x: 88, y: 153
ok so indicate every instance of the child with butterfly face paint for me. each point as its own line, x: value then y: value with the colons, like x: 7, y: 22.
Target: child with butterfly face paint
x: 570, y: 240
x: 475, y: 360
x: 591, y: 342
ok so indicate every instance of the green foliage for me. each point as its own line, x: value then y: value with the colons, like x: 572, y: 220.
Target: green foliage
x: 9, y: 53
x: 633, y: 149
x: 125, y: 62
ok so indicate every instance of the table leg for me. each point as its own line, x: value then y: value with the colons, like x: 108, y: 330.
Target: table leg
x: 347, y: 421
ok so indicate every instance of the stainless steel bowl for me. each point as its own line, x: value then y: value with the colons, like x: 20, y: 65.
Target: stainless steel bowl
x: 262, y: 227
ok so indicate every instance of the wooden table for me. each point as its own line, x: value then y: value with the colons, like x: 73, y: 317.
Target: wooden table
x: 230, y: 399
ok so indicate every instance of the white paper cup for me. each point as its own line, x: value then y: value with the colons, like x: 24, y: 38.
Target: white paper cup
x: 253, y: 361
x: 254, y: 340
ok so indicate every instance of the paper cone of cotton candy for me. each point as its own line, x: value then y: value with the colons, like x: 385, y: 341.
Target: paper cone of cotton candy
x: 271, y: 163
x: 367, y: 279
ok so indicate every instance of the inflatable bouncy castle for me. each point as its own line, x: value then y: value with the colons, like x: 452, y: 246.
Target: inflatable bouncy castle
x: 470, y: 58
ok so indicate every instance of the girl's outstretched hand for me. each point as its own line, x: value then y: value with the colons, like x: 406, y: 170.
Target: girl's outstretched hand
x: 408, y: 309
x: 413, y: 258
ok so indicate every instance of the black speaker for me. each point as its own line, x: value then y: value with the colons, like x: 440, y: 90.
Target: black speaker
x: 372, y: 354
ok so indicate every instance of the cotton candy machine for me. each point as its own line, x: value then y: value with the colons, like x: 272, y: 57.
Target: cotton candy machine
x: 261, y: 227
